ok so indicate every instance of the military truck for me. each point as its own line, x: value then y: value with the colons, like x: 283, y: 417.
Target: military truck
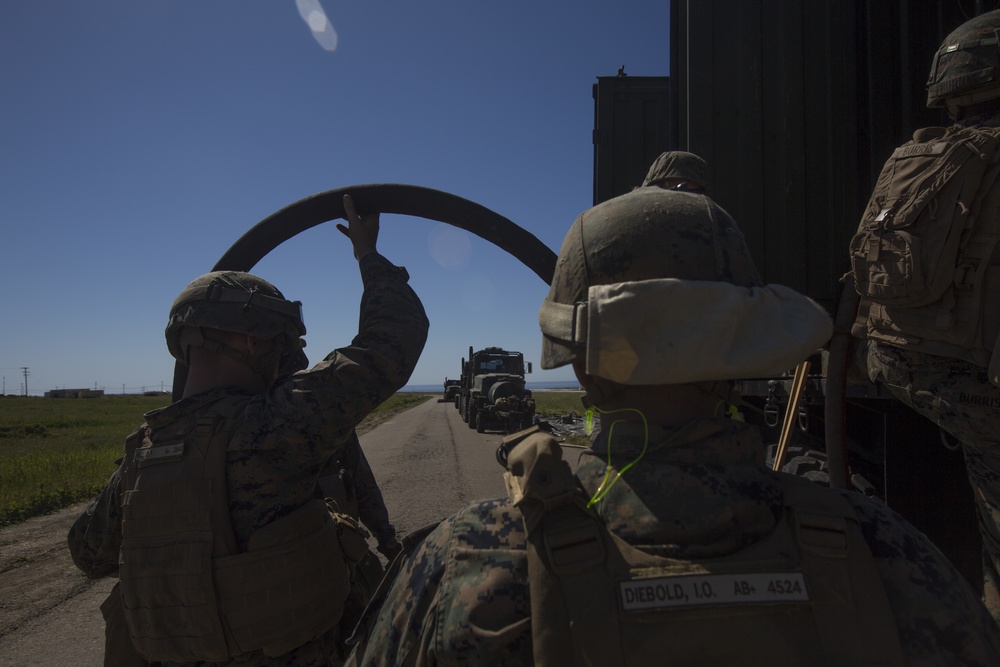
x: 492, y: 393
x: 451, y: 391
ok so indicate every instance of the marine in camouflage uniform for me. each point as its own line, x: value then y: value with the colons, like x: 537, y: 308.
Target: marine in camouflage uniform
x: 288, y: 429
x: 952, y: 388
x: 349, y: 480
x: 693, y: 489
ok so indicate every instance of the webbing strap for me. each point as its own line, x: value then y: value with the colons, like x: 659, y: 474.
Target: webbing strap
x: 570, y: 585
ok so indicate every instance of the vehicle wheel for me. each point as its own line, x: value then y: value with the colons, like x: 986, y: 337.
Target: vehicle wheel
x: 473, y: 415
x: 480, y: 423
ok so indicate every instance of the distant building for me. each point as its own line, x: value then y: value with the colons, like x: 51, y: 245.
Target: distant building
x: 74, y: 393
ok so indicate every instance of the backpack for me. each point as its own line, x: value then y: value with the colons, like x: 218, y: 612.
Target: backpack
x: 919, y: 219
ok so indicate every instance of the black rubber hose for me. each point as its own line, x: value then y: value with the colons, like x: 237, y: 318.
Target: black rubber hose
x: 411, y: 200
x: 389, y: 198
x: 835, y: 396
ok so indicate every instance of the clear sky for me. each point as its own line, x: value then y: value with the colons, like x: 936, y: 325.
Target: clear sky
x: 140, y: 138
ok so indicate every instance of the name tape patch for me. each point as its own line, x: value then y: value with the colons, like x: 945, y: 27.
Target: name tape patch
x: 919, y: 150
x: 173, y: 450
x: 712, y: 589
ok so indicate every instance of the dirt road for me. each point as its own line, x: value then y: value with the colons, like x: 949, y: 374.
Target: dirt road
x: 427, y: 461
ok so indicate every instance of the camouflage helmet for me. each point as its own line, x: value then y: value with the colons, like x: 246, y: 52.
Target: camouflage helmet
x: 966, y: 68
x: 644, y: 235
x: 678, y: 166
x: 234, y: 301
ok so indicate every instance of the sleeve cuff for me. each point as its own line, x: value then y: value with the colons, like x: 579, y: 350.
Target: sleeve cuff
x: 374, y: 265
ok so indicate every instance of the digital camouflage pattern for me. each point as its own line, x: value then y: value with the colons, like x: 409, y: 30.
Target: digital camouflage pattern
x: 462, y: 597
x: 349, y: 480
x: 966, y: 68
x: 957, y: 396
x: 287, y: 434
x: 234, y: 301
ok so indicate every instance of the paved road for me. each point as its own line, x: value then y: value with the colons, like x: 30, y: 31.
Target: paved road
x: 430, y: 464
x: 427, y: 461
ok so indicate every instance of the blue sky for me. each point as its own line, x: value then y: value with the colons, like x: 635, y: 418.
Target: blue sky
x: 140, y: 138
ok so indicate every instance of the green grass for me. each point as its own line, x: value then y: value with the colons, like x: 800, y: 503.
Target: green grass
x: 58, y: 451
x: 552, y: 403
x: 555, y: 403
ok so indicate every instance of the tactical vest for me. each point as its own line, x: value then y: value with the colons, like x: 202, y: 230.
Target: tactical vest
x: 188, y: 593
x: 807, y: 594
x: 924, y: 257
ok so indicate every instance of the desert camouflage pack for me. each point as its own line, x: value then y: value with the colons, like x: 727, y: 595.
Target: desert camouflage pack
x: 921, y: 257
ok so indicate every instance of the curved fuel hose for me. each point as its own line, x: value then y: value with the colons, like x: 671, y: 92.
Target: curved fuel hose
x: 835, y: 396
x: 392, y: 198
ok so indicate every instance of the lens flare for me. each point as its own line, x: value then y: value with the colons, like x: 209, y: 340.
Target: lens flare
x: 314, y: 16
x: 449, y: 246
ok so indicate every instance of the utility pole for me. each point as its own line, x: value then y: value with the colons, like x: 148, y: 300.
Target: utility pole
x: 24, y: 369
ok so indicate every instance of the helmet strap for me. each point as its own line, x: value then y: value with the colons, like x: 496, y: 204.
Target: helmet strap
x: 195, y: 337
x: 265, y: 366
x: 600, y: 390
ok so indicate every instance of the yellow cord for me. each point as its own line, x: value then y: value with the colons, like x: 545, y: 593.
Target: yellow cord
x: 605, y: 486
x: 731, y: 411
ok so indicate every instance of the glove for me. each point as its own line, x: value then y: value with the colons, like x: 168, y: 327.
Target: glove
x: 390, y: 548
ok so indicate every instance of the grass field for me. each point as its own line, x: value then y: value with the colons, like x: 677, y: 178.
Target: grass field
x: 58, y: 451
x: 552, y: 403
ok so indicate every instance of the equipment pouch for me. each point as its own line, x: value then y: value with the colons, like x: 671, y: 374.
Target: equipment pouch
x: 353, y: 537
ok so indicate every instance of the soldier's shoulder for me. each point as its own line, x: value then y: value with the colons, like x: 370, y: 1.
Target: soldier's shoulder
x: 489, y: 524
x: 938, y: 614
x: 888, y: 534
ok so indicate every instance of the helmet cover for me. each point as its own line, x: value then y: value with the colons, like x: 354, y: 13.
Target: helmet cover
x: 646, y: 234
x: 966, y: 68
x: 658, y: 287
x: 678, y: 166
x: 234, y: 301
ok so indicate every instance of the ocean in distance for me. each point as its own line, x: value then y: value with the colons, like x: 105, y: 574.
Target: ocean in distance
x: 439, y: 388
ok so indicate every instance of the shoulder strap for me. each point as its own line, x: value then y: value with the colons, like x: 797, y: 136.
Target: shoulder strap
x: 567, y: 555
x: 212, y: 434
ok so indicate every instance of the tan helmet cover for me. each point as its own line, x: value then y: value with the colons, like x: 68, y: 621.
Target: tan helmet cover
x: 658, y: 287
x: 234, y: 301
